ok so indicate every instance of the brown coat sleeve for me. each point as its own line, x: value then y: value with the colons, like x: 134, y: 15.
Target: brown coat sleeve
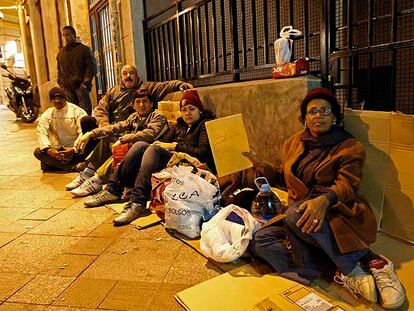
x: 102, y: 111
x: 158, y: 90
x: 156, y: 126
x: 111, y: 129
x: 349, y: 171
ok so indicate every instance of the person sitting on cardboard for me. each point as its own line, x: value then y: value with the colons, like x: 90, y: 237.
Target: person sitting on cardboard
x: 188, y: 135
x: 326, y: 221
x: 144, y: 125
x: 58, y: 129
x: 115, y: 106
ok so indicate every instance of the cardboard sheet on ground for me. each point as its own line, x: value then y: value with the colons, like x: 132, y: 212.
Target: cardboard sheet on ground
x: 116, y: 207
x: 228, y: 139
x: 244, y: 289
x: 140, y: 223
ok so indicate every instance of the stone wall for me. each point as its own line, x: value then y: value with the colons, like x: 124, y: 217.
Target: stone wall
x: 270, y: 109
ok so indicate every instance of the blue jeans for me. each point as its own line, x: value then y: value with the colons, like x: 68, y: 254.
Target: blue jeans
x: 314, y: 252
x: 135, y: 170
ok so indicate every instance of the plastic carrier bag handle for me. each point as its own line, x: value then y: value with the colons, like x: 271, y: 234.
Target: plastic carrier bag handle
x: 256, y: 182
x: 288, y: 31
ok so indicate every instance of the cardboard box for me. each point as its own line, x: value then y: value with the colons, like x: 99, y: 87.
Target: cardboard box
x: 388, y: 182
x: 244, y: 289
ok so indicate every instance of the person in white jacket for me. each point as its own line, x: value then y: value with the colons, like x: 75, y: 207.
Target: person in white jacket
x: 58, y: 129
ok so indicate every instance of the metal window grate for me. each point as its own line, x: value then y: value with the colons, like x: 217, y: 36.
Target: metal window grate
x: 358, y: 47
x: 107, y: 46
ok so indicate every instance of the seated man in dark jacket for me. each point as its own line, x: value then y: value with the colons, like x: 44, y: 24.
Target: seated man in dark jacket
x: 188, y: 135
x: 144, y: 124
x: 116, y: 106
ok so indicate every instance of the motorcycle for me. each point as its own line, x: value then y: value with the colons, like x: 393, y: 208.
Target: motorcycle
x: 20, y: 95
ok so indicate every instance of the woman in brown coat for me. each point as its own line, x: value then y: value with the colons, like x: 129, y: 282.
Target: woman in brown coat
x: 326, y: 221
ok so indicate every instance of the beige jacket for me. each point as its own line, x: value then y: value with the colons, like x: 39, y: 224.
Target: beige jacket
x: 60, y: 128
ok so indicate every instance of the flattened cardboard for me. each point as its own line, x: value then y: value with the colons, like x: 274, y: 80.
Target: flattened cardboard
x: 146, y: 221
x: 402, y: 130
x: 372, y: 126
x: 244, y: 289
x: 398, y: 217
x: 228, y: 139
x: 401, y: 169
x: 116, y: 207
x: 387, y: 183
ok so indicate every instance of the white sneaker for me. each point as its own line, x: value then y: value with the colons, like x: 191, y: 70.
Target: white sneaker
x: 391, y: 293
x: 76, y: 182
x: 90, y: 186
x: 80, y: 179
x: 360, y: 286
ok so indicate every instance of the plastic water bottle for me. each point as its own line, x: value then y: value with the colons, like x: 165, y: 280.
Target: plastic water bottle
x: 266, y: 204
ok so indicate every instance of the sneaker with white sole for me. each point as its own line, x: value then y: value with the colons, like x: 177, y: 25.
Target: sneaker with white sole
x: 90, y: 186
x: 131, y: 212
x: 80, y: 179
x: 362, y: 286
x: 391, y: 293
x: 102, y: 198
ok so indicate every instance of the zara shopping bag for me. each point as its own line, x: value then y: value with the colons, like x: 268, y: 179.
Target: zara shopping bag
x: 190, y: 199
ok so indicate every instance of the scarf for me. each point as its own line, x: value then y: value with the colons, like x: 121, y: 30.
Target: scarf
x: 333, y: 137
x: 316, y: 150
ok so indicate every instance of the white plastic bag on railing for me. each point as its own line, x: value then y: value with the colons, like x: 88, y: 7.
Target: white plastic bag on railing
x: 283, y: 45
x: 226, y: 236
x: 190, y: 199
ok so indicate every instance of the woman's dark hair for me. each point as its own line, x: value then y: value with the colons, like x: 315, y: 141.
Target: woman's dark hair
x: 70, y: 28
x: 321, y: 93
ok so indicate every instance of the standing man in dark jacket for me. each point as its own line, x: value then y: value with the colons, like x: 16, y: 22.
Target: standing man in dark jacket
x: 76, y: 68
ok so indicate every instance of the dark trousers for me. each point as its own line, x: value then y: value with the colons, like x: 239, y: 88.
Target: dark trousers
x: 135, y: 170
x: 80, y: 97
x: 310, y: 254
x: 47, y: 163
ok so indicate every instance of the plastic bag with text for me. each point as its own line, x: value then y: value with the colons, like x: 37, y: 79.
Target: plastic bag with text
x: 227, y: 235
x: 190, y: 200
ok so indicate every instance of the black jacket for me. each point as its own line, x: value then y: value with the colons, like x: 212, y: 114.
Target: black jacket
x: 76, y: 66
x: 193, y: 141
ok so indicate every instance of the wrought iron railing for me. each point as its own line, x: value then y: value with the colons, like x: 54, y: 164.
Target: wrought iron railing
x: 219, y: 41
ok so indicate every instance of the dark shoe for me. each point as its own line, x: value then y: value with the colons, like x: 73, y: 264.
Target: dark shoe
x: 126, y: 195
x: 101, y: 198
x: 45, y: 168
x: 131, y: 212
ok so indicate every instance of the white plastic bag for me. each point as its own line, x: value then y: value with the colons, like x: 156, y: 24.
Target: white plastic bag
x: 190, y: 198
x: 283, y: 45
x: 226, y: 236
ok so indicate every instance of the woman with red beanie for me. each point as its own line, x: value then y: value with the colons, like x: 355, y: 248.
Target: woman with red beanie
x: 327, y: 223
x: 188, y: 135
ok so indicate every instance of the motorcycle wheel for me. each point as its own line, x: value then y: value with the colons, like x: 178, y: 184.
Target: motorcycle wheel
x: 31, y: 115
